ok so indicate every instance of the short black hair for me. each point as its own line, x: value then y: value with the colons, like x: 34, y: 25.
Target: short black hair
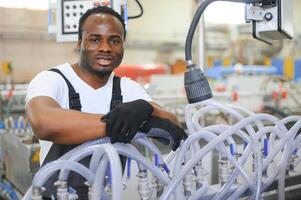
x: 96, y: 10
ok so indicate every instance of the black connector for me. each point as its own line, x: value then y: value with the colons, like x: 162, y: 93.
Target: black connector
x: 196, y: 85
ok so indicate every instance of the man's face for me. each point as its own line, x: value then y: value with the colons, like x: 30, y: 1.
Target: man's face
x: 101, y: 46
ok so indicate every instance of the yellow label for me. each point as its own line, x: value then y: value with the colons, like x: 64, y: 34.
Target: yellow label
x: 289, y: 68
x: 36, y: 156
x: 6, y: 68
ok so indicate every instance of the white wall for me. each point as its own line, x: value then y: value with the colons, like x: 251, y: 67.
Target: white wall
x: 158, y: 36
x: 163, y: 20
x: 25, y: 42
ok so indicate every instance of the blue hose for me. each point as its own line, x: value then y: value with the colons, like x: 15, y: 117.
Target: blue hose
x: 9, y: 189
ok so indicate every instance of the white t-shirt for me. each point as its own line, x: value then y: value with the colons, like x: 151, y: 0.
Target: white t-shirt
x: 96, y: 101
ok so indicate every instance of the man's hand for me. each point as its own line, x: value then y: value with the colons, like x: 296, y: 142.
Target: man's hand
x: 123, y: 122
x: 164, y: 131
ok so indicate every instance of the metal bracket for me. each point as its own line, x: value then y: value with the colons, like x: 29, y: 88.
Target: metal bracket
x: 254, y: 13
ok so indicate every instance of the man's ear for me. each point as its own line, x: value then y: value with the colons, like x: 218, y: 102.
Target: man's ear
x: 79, y: 42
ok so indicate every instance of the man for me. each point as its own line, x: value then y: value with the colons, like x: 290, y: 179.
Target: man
x: 55, y: 116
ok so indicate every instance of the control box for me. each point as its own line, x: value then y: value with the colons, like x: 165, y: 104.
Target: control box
x: 67, y: 15
x: 64, y: 15
x: 271, y: 19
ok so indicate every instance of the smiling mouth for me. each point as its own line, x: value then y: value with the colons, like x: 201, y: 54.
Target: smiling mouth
x: 104, y: 61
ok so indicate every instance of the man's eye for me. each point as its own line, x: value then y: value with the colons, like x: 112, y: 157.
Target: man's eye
x: 95, y: 40
x: 115, y: 41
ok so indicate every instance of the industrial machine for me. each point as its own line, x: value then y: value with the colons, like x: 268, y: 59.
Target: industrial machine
x: 255, y: 155
x: 21, y: 152
x: 63, y: 15
x: 19, y: 149
x: 272, y: 19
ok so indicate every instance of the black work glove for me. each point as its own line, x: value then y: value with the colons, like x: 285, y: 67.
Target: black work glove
x: 123, y: 121
x: 164, y: 131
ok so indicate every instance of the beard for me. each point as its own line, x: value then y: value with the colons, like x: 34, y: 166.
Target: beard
x: 104, y: 72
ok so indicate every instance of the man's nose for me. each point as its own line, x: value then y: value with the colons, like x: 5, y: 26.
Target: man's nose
x: 104, y: 46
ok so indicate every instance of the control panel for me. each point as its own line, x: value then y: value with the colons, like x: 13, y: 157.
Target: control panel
x: 71, y: 12
x: 64, y: 15
x: 68, y: 13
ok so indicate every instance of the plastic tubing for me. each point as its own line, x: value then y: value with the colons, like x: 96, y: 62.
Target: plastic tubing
x: 240, y: 109
x: 268, y: 159
x: 8, y: 189
x: 189, y: 124
x: 216, y: 130
x: 284, y: 121
x: 293, y: 118
x: 271, y: 155
x: 97, y: 189
x: 7, y: 123
x: 228, y: 184
x: 247, y: 112
x: 21, y: 122
x: 170, y: 156
x: 27, y: 195
x: 81, y: 153
x: 167, y: 159
x: 212, y: 145
x: 77, y: 156
x: 195, y: 121
x: 11, y: 122
x: 286, y: 155
x: 273, y: 135
x: 219, y: 129
x: 271, y: 177
x: 251, y: 132
x: 132, y: 148
x: 150, y: 146
x: 97, y: 156
x: 299, y: 157
x: 79, y: 148
x: 199, y: 114
x: 232, y: 112
x: 238, y: 193
x: 116, y: 172
x: 221, y: 193
x: 188, y: 120
x: 223, y: 108
x: 296, y: 145
x: 209, y: 137
x: 121, y: 149
x: 201, y: 191
x: 45, y: 172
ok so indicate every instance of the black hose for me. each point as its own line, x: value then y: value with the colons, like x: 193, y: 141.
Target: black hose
x: 192, y: 28
x: 195, y: 21
x: 141, y: 11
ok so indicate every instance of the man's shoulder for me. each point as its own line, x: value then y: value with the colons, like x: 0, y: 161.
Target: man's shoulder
x: 125, y: 80
x: 62, y: 67
x: 47, y: 75
x: 128, y: 84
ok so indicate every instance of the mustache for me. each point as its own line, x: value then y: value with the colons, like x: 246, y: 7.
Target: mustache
x: 104, y: 56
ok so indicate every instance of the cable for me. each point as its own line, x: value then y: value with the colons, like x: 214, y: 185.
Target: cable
x: 141, y: 11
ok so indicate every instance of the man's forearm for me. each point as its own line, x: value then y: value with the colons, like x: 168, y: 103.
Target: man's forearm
x: 63, y: 126
x: 162, y: 113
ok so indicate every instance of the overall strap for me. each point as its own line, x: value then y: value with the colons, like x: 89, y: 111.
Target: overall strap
x: 117, y: 99
x: 74, y: 101
x: 57, y: 150
x: 116, y: 93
